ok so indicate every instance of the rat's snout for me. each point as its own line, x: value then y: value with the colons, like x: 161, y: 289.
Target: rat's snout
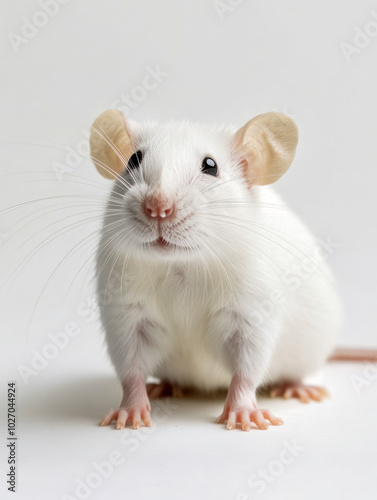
x: 159, y: 205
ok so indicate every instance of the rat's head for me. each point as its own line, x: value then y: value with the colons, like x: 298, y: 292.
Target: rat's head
x: 183, y: 188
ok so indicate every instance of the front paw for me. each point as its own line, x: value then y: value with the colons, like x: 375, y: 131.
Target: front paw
x: 135, y: 415
x: 241, y: 407
x: 247, y: 416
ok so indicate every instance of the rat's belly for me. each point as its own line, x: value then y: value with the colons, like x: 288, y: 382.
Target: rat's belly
x: 191, y: 364
x: 183, y: 302
x: 189, y: 353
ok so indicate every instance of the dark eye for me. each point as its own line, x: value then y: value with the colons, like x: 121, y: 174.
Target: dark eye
x: 135, y: 160
x: 209, y: 166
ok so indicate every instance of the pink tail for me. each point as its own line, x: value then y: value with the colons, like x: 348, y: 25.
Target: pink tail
x: 350, y: 354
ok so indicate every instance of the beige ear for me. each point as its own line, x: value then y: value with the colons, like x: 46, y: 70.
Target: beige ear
x: 110, y: 143
x: 267, y: 144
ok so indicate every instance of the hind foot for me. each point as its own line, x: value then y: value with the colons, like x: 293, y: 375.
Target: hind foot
x: 164, y: 390
x: 305, y: 393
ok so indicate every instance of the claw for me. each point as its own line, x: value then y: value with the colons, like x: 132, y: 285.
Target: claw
x: 123, y: 416
x: 261, y: 418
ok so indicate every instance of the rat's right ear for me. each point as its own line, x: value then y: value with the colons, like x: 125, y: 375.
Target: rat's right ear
x: 110, y: 143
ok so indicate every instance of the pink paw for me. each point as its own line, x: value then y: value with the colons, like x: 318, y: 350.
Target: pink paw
x: 135, y: 415
x: 241, y: 407
x: 163, y: 390
x: 305, y: 393
x: 246, y: 417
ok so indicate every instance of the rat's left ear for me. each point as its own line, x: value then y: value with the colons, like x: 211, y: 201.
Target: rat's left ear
x: 267, y: 146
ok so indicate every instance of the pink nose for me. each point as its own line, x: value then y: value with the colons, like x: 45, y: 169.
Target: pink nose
x: 158, y: 207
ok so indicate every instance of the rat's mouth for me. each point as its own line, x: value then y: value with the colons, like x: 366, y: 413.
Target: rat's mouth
x: 165, y: 246
x: 162, y: 243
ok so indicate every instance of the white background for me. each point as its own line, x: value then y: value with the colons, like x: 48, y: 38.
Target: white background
x: 218, y: 67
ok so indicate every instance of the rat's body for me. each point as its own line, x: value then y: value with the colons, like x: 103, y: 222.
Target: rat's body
x: 208, y: 282
x: 286, y: 278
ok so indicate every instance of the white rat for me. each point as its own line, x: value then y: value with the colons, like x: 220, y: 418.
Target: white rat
x: 200, y: 267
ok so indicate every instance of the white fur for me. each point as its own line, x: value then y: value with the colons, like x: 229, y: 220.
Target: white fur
x: 227, y: 304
